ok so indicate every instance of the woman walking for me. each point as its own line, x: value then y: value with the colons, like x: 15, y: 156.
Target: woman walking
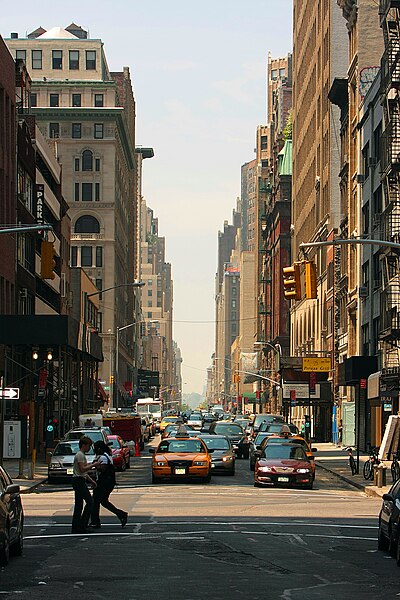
x: 105, y: 485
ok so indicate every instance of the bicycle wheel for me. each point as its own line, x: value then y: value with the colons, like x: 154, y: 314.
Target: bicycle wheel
x: 353, y: 465
x: 367, y: 470
x: 395, y: 469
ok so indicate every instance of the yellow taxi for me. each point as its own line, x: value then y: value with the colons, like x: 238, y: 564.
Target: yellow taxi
x: 294, y: 439
x: 167, y: 421
x: 181, y: 458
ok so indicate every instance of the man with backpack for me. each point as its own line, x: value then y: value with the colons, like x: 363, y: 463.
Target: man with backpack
x: 105, y: 485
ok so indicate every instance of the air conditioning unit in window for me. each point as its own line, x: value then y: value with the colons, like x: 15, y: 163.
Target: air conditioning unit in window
x: 363, y: 291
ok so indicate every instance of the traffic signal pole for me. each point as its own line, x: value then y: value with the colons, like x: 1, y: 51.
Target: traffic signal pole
x: 340, y: 242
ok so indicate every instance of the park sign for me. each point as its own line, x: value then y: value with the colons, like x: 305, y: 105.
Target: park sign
x: 316, y: 365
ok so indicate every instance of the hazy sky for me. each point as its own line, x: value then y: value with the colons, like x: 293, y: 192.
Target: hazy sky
x: 199, y: 76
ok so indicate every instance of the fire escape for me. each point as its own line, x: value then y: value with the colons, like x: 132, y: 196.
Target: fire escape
x: 389, y: 335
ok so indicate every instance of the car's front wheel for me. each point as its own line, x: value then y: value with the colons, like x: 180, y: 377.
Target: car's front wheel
x: 383, y: 542
x: 5, y: 549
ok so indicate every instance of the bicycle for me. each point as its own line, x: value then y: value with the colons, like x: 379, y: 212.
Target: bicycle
x: 395, y: 467
x: 352, y: 461
x: 373, y: 460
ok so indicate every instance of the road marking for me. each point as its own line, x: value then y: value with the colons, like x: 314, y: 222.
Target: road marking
x: 217, y: 523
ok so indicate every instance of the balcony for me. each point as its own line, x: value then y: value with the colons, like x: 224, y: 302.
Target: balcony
x: 385, y: 6
x: 390, y: 313
x: 390, y: 66
x: 390, y: 160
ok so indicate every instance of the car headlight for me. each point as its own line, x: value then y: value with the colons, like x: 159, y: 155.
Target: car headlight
x: 226, y: 458
x: 55, y: 465
x: 161, y: 463
x: 265, y: 469
x: 303, y: 470
x: 200, y: 463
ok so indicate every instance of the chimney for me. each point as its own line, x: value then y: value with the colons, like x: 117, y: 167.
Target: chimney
x: 14, y: 35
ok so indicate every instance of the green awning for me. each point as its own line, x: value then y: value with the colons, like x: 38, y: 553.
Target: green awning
x: 249, y: 395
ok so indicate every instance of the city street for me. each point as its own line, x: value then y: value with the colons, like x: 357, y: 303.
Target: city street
x: 223, y: 540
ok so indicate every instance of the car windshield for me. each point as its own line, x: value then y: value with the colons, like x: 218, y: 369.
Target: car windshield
x: 228, y: 429
x: 69, y: 449
x: 181, y: 446
x: 170, y: 419
x: 95, y: 436
x: 299, y: 442
x: 217, y: 443
x: 284, y: 451
x: 113, y: 443
x: 259, y: 438
x: 272, y: 427
x: 195, y: 418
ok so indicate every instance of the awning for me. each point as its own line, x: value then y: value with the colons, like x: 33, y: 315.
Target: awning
x: 249, y: 396
x: 101, y: 392
x: 373, y: 385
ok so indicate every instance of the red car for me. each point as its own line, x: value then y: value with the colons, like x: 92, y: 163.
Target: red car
x: 283, y: 464
x: 120, y: 452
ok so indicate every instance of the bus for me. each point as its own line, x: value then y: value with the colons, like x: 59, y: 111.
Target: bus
x: 150, y: 406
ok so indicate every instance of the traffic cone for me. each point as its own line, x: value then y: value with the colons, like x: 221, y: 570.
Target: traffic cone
x: 137, y: 448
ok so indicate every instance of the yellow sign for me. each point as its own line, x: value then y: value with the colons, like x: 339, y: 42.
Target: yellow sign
x: 317, y: 365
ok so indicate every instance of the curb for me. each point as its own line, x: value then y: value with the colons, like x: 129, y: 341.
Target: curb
x: 365, y: 488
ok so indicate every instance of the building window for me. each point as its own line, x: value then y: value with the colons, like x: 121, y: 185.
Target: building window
x: 36, y: 59
x: 54, y: 99
x: 365, y: 155
x: 377, y: 142
x: 57, y: 59
x: 233, y: 303
x: 76, y: 164
x: 76, y: 192
x: 87, y: 192
x: 90, y: 60
x: 99, y: 100
x: 97, y: 163
x: 98, y: 131
x: 87, y: 160
x: 264, y: 142
x: 274, y: 74
x: 54, y: 130
x: 99, y: 256
x: 33, y: 100
x: 26, y: 253
x: 25, y: 188
x: 234, y: 291
x: 74, y: 256
x: 365, y: 339
x: 76, y: 130
x: 281, y: 72
x: 76, y: 100
x: 87, y: 224
x: 150, y: 293
x: 86, y: 256
x: 20, y: 55
x: 100, y: 317
x: 99, y: 285
x: 97, y: 192
x: 74, y: 60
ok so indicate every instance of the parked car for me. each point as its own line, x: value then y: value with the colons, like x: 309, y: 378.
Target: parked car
x: 255, y: 448
x: 389, y: 522
x: 62, y: 460
x: 11, y: 518
x: 95, y: 434
x: 222, y: 454
x: 120, y: 452
x: 283, y: 464
x: 181, y: 458
x: 234, y: 432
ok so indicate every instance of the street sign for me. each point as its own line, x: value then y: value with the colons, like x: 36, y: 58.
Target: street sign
x: 312, y: 364
x: 11, y: 393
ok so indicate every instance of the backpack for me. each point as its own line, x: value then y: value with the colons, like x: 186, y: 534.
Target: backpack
x: 107, y: 477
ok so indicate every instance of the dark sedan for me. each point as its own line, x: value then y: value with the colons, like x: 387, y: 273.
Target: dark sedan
x: 234, y: 432
x: 11, y: 518
x: 389, y: 522
x: 222, y: 453
x: 283, y: 464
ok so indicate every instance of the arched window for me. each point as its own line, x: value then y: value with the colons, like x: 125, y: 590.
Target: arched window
x: 87, y: 224
x: 87, y: 160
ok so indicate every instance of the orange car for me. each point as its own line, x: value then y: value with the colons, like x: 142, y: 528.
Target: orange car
x: 295, y: 439
x: 181, y: 458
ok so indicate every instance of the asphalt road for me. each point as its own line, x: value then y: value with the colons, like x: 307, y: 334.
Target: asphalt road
x: 223, y: 540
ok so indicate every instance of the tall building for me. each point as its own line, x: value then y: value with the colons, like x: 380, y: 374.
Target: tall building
x: 320, y: 54
x: 88, y: 115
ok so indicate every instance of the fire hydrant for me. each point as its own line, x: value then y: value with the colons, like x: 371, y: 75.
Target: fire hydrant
x: 379, y: 475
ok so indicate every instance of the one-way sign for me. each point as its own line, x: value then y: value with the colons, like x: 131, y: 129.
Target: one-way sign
x: 9, y: 393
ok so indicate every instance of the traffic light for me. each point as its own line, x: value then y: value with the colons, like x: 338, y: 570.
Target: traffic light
x: 292, y: 282
x: 112, y: 379
x: 311, y: 279
x: 48, y: 262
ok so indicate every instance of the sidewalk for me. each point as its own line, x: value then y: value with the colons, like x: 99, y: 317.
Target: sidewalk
x: 335, y: 459
x: 26, y: 484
